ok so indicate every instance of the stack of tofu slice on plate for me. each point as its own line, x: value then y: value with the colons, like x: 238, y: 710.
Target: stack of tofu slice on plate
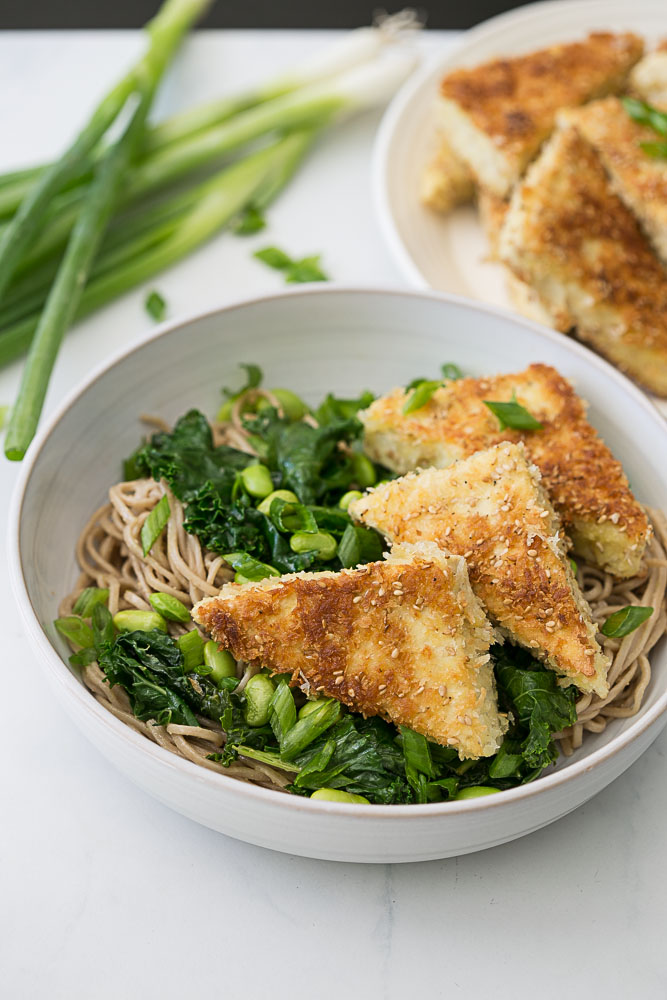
x: 572, y: 205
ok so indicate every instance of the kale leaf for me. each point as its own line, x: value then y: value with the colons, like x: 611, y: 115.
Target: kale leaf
x: 150, y: 667
x: 187, y: 459
x: 540, y: 706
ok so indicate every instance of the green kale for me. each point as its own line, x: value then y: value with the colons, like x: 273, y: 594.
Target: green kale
x: 540, y: 706
x: 187, y: 458
x: 150, y: 667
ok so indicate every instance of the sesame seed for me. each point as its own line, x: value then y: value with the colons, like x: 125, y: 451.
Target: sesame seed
x: 442, y: 690
x: 355, y: 600
x: 350, y: 691
x: 451, y: 741
x: 339, y: 680
x: 382, y: 687
x: 394, y: 654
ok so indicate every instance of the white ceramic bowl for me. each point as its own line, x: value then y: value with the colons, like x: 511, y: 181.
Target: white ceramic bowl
x: 313, y: 341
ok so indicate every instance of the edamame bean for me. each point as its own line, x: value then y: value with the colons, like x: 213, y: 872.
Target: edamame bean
x: 348, y: 498
x: 475, y: 792
x: 139, y: 621
x: 337, y: 795
x: 314, y: 541
x: 169, y: 607
x: 257, y: 480
x: 225, y: 411
x: 258, y: 693
x: 292, y: 406
x: 191, y: 646
x: 286, y: 495
x: 221, y: 662
x: 363, y: 471
x: 310, y: 707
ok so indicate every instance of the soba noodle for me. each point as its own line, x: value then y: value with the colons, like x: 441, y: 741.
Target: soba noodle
x: 110, y: 555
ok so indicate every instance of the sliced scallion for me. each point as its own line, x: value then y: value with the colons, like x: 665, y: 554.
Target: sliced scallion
x: 154, y: 524
x: 625, y: 621
x: 513, y: 415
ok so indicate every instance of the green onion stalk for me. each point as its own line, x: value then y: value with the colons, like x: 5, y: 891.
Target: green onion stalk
x: 164, y: 32
x: 215, y: 203
x: 355, y: 48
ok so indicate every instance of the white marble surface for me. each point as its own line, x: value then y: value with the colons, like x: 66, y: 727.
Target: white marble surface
x: 104, y: 894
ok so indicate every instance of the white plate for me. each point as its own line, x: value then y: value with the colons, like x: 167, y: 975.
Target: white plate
x: 447, y: 253
x: 316, y: 340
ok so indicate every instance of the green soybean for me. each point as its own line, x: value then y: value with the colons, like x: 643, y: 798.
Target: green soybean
x: 221, y: 662
x: 338, y: 795
x: 139, y: 621
x: 292, y: 405
x: 475, y: 792
x: 363, y: 471
x: 348, y: 498
x: 314, y: 541
x: 258, y: 693
x: 225, y: 411
x: 257, y: 480
x: 191, y: 646
x: 169, y: 607
x: 286, y: 495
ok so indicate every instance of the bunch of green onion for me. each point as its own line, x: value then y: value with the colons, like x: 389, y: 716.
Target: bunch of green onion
x: 110, y: 214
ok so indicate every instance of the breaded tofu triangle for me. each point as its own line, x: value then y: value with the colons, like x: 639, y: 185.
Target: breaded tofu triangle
x: 585, y: 483
x: 405, y: 639
x: 497, y: 115
x: 491, y: 509
x: 638, y: 179
x: 569, y: 236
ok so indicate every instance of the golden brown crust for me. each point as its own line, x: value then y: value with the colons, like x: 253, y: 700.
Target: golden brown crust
x: 639, y: 180
x: 572, y: 238
x: 489, y: 508
x: 585, y: 483
x: 514, y: 101
x: 405, y: 639
x: 446, y: 181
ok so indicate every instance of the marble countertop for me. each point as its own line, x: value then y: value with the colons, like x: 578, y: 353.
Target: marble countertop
x: 106, y: 894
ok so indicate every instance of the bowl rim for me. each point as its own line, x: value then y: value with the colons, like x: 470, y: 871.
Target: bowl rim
x: 72, y: 688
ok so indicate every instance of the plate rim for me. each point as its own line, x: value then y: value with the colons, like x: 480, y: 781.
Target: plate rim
x: 433, y: 66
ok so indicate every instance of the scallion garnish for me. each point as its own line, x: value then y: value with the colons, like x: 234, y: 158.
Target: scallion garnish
x: 155, y: 306
x: 154, y: 523
x: 625, y: 621
x: 420, y: 396
x: 646, y: 114
x: 250, y: 221
x: 307, y: 730
x: 248, y: 567
x: 451, y: 371
x: 301, y: 271
x: 513, y: 415
x: 283, y: 711
x: 87, y: 600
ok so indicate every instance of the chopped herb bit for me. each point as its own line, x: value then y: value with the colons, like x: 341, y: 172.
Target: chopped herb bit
x: 625, y: 621
x: 655, y: 149
x: 275, y: 258
x: 248, y: 567
x: 646, y: 114
x: 251, y: 221
x: 305, y: 270
x: 87, y: 600
x: 154, y: 523
x: 420, y: 396
x: 513, y: 415
x: 297, y: 271
x: 451, y: 372
x: 156, y: 306
x: 254, y: 376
